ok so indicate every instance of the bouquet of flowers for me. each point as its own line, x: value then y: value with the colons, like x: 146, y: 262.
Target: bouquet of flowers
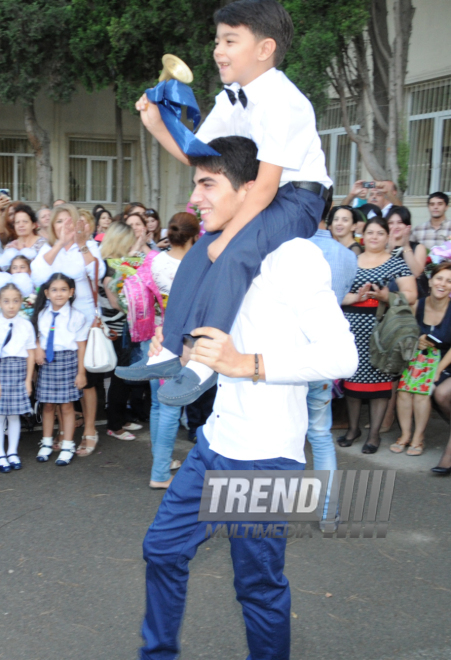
x: 436, y: 255
x: 27, y: 307
x: 123, y: 267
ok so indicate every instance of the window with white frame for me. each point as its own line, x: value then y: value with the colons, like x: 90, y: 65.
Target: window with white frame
x: 342, y: 155
x: 430, y: 137
x: 18, y: 168
x: 92, y: 171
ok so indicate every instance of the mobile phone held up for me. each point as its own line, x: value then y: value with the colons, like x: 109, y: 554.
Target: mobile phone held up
x: 369, y: 184
x: 5, y: 191
x: 437, y: 343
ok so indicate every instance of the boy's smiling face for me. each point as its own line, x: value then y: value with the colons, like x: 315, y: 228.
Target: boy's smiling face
x: 240, y: 56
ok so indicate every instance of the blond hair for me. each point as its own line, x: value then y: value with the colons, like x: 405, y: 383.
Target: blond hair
x: 118, y: 241
x: 87, y: 215
x: 69, y: 208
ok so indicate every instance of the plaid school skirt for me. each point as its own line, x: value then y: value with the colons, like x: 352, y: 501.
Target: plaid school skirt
x: 14, y: 399
x: 56, y: 379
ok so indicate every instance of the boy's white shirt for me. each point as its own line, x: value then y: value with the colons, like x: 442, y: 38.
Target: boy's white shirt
x: 290, y: 315
x: 281, y: 122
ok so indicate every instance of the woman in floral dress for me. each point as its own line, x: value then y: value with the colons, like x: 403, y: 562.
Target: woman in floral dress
x: 376, y: 267
x: 429, y: 363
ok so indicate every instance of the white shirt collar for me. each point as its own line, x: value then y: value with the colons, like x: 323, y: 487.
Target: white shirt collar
x: 5, y: 321
x: 64, y: 311
x: 255, y: 89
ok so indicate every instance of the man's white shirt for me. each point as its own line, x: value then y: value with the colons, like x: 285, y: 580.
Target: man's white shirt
x: 291, y: 316
x: 281, y: 122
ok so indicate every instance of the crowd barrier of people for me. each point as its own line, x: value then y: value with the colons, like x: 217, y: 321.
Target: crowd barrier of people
x: 47, y: 272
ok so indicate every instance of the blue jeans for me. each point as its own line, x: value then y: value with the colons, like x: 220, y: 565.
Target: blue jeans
x: 258, y: 563
x: 164, y: 424
x: 319, y: 405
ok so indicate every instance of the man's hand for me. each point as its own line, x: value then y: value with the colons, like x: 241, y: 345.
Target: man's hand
x: 216, y: 349
x: 216, y: 248
x: 156, y: 345
x: 150, y: 112
x: 358, y: 190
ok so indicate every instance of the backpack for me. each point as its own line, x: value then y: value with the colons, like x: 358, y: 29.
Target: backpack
x: 141, y: 293
x: 395, y: 336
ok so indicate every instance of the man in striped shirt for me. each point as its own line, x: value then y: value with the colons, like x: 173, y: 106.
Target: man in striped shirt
x: 437, y: 229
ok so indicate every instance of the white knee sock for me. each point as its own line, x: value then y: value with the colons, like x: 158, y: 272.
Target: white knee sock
x: 3, y: 461
x: 13, y: 436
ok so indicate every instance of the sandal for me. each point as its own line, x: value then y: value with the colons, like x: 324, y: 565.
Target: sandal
x: 415, y: 450
x: 398, y: 447
x: 131, y: 426
x: 175, y: 464
x: 86, y: 448
x: 122, y: 436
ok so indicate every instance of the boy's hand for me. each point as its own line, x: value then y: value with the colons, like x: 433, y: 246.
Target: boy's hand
x: 155, y: 345
x: 28, y: 387
x: 216, y: 248
x: 80, y: 381
x: 39, y: 355
x: 150, y: 112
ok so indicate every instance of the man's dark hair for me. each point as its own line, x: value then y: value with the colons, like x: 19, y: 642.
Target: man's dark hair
x: 264, y: 18
x: 238, y: 160
x: 440, y: 195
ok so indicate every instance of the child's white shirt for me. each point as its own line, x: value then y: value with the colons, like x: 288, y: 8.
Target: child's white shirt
x: 71, y: 326
x: 281, y: 122
x: 23, y: 337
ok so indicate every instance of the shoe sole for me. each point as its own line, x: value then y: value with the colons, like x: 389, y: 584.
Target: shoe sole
x: 186, y: 399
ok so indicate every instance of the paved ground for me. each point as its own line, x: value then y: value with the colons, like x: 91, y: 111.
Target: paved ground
x: 72, y: 577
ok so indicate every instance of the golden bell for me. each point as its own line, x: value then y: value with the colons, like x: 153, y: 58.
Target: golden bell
x: 174, y: 67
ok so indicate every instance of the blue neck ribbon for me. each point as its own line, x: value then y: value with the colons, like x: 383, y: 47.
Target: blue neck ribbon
x: 171, y: 95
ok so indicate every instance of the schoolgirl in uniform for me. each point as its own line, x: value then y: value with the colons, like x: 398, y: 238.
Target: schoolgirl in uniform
x: 62, y: 332
x: 17, y: 341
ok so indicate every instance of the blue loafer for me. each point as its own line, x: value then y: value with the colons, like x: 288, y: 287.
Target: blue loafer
x: 142, y: 371
x: 185, y: 388
x: 14, y: 466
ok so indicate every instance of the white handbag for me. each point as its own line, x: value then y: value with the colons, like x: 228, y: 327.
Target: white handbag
x: 100, y: 356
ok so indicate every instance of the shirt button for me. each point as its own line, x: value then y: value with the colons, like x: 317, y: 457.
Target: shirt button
x: 217, y: 415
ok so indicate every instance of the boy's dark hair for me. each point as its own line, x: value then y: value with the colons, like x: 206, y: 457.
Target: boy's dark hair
x: 264, y: 18
x: 238, y: 160
x: 440, y: 195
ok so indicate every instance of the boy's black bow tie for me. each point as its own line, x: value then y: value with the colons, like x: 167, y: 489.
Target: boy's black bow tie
x: 241, y: 96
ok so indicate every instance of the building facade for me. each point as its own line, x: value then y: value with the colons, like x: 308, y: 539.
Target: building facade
x: 83, y: 146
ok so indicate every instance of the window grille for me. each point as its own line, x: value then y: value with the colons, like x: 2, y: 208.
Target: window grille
x: 18, y: 168
x: 342, y: 156
x: 92, y: 171
x: 430, y: 137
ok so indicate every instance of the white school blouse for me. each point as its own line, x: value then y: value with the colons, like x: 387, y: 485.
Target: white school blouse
x: 22, y: 340
x: 71, y: 263
x: 164, y: 269
x: 279, y: 119
x: 70, y: 326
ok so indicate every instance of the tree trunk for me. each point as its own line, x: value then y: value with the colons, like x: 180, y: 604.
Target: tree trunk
x: 40, y: 143
x: 119, y: 161
x: 155, y: 174
x: 145, y: 163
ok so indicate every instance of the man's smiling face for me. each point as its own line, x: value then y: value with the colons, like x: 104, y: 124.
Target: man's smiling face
x: 216, y: 199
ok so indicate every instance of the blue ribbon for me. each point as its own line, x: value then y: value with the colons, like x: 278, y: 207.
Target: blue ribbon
x: 171, y: 95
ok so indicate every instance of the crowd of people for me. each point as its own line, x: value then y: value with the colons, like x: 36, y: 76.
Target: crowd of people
x: 392, y: 256
x: 51, y: 263
x: 48, y: 264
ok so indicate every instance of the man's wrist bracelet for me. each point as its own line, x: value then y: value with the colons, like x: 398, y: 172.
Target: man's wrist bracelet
x: 256, y: 376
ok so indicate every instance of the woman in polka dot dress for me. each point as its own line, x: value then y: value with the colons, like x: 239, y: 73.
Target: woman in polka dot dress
x: 376, y: 267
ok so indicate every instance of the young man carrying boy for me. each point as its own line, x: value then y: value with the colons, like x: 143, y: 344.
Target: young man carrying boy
x: 286, y: 201
x: 259, y: 418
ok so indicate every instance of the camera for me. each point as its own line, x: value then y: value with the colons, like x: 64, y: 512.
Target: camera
x: 368, y: 184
